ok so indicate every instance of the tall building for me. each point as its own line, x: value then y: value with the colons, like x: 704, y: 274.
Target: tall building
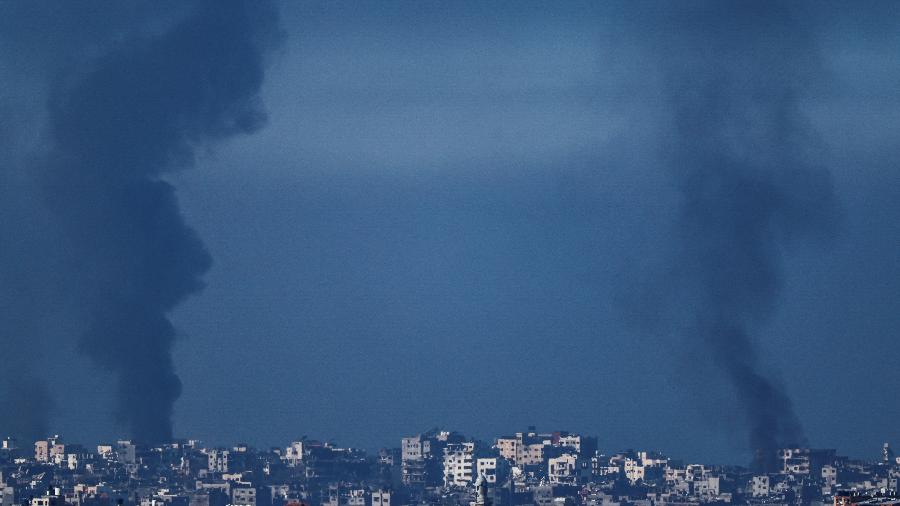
x: 459, y: 464
x: 525, y: 448
x: 422, y: 457
x: 494, y: 469
x: 41, y: 451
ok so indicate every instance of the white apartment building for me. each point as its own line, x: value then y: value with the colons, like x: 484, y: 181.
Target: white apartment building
x: 459, y: 464
x: 217, y: 461
x: 293, y: 454
x: 564, y: 469
x: 493, y: 469
x: 634, y: 470
x: 571, y: 441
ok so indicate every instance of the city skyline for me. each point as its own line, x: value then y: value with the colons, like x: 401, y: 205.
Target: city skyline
x: 556, y: 468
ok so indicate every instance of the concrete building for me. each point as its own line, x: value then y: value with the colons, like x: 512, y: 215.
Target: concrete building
x: 759, y: 486
x: 217, y: 461
x: 583, y: 446
x: 710, y: 486
x: 542, y: 495
x: 829, y: 476
x: 459, y: 464
x: 243, y: 496
x: 57, y: 453
x: 422, y: 457
x: 634, y: 470
x: 524, y: 449
x: 41, y: 451
x: 530, y: 448
x: 566, y: 469
x: 338, y: 496
x: 293, y: 454
x: 804, y: 461
x: 494, y: 469
x: 381, y: 498
x: 50, y: 450
x: 126, y: 452
x: 7, y: 493
x: 354, y: 497
x: 414, y: 452
x: 106, y: 452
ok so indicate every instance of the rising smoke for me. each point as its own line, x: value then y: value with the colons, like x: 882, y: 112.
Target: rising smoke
x: 140, y: 108
x: 740, y: 151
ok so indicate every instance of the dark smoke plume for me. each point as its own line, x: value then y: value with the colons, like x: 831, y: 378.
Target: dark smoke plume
x: 141, y: 108
x: 741, y: 153
x: 24, y: 297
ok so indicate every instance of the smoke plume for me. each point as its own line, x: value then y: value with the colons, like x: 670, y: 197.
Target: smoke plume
x: 139, y: 109
x: 740, y: 151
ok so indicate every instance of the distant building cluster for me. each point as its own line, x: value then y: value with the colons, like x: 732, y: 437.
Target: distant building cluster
x: 434, y: 467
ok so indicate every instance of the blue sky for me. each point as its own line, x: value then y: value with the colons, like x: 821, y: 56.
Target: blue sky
x: 449, y: 211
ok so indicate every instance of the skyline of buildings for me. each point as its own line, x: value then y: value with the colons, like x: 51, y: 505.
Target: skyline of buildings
x: 554, y: 468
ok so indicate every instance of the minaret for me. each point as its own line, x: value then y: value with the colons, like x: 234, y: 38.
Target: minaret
x: 481, y: 498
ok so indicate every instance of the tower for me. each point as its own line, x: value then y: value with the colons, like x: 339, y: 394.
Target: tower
x: 481, y: 498
x: 887, y: 455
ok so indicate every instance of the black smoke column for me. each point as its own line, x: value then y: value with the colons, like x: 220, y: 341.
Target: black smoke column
x: 141, y: 111
x: 741, y: 153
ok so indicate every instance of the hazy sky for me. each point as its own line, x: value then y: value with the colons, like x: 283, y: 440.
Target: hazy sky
x: 449, y: 212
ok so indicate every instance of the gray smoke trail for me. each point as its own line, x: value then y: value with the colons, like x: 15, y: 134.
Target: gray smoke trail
x: 140, y: 109
x: 741, y: 153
